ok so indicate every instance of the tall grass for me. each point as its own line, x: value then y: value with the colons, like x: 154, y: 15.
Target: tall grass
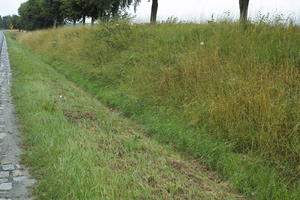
x: 242, y: 85
x: 79, y: 150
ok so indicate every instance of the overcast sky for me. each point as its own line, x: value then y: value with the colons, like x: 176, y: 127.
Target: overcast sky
x: 194, y: 10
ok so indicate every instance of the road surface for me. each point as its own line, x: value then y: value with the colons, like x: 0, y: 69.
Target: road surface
x: 14, y: 178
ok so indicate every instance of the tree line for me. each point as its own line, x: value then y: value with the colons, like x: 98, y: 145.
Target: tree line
x: 38, y: 14
x: 5, y: 21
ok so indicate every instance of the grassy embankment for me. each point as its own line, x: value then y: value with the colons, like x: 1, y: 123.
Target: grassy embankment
x: 80, y: 150
x: 227, y: 95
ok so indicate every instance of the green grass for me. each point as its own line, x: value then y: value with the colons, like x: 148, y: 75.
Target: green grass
x: 240, y: 90
x: 212, y: 90
x: 79, y: 149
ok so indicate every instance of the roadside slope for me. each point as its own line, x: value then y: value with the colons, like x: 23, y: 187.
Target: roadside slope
x: 211, y: 90
x: 79, y: 149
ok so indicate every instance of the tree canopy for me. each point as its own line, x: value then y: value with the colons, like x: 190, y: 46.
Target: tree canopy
x: 5, y: 21
x: 39, y: 14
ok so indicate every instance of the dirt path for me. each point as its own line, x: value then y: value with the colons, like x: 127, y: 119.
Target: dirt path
x: 14, y: 178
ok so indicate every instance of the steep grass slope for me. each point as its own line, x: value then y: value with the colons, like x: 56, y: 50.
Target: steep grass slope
x: 228, y: 83
x: 80, y: 150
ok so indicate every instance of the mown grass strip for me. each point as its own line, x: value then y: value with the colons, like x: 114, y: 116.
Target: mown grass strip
x: 78, y: 149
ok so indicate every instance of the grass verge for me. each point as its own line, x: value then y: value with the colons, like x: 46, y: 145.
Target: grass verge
x: 214, y: 76
x: 79, y: 149
x: 211, y: 90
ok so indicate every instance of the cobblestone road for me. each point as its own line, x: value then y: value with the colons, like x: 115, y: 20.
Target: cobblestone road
x: 14, y: 178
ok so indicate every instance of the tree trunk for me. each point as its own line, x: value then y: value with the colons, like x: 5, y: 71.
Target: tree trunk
x: 244, y: 4
x: 55, y: 23
x: 154, y: 11
x: 83, y: 20
x: 115, y: 8
x: 93, y: 21
x: 101, y: 15
x: 74, y: 22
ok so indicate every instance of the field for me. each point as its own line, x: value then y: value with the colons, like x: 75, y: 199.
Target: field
x: 226, y: 94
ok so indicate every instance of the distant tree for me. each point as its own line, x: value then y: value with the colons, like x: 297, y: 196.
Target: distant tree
x: 94, y: 11
x: 80, y: 8
x: 101, y: 9
x: 32, y: 16
x: 37, y: 14
x: 115, y: 6
x: 1, y: 26
x: 244, y: 4
x: 72, y: 10
x: 15, y: 20
x: 52, y: 11
x: 119, y: 5
x: 154, y: 9
x: 105, y: 9
x: 84, y: 9
x: 7, y: 20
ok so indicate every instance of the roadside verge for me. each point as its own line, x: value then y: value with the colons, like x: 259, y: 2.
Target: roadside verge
x: 79, y: 149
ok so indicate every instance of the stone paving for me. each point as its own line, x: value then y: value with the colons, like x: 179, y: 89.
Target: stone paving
x: 14, y: 178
